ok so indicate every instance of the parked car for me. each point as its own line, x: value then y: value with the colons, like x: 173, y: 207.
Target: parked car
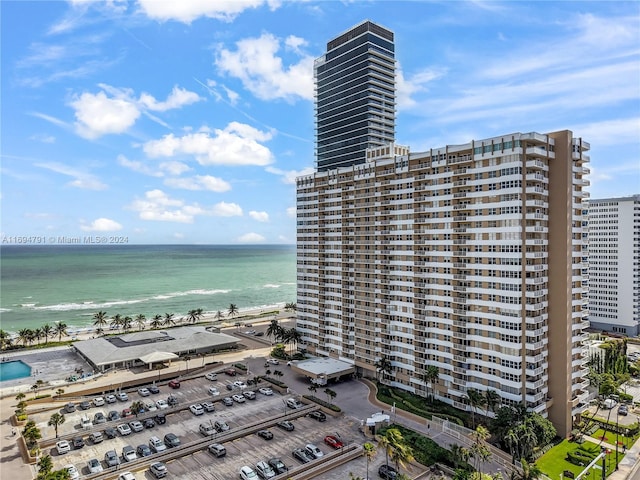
x: 277, y: 465
x: 160, y: 418
x: 207, y: 429
x: 230, y: 386
x: 150, y: 406
x: 126, y: 412
x: 333, y: 442
x: 94, y: 466
x: 111, y: 398
x: 63, y: 447
x: 99, y: 418
x: 294, y: 403
x: 239, y: 384
x: 174, y: 384
x: 221, y: 426
x: 136, y: 426
x: 96, y: 437
x: 301, y: 455
x: 112, y: 416
x: 227, y: 401
x: 264, y: 470
x: 149, y: 423
x: 70, y: 407
x: 249, y: 395
x: 84, y: 405
x: 247, y: 473
x: 211, y: 376
x: 217, y: 449
x: 144, y: 392
x: 265, y: 391
x: 196, y: 409
x: 110, y: 432
x: 98, y: 402
x: 318, y: 415
x: 128, y: 453
x: 285, y: 425
x: 250, y: 332
x: 172, y: 400
x: 111, y: 458
x: 266, y: 434
x: 143, y: 450
x: 387, y: 472
x: 171, y: 440
x: 162, y: 404
x: 157, y: 445
x: 273, y: 361
x: 154, y: 389
x: 72, y: 472
x: 158, y: 469
x: 126, y: 476
x: 214, y: 391
x: 312, y: 449
x: 623, y: 410
x: 124, y: 429
x: 122, y: 396
x: 231, y: 372
x: 238, y: 398
x: 208, y: 407
x: 78, y: 442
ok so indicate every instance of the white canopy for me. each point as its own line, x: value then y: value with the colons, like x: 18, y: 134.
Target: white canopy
x: 158, y: 357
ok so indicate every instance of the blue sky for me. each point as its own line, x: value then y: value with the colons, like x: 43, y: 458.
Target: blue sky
x: 188, y: 121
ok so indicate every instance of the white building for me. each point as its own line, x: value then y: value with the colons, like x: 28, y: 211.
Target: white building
x: 614, y: 261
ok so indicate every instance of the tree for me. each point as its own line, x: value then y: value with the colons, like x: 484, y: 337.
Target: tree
x: 293, y: 336
x: 459, y: 455
x: 100, y: 320
x: 395, y: 447
x: 37, y: 334
x: 141, y: 321
x: 47, y: 331
x: 431, y: 374
x: 56, y: 420
x: 491, y: 400
x: 60, y: 329
x: 233, y: 310
x: 116, y: 322
x: 137, y: 407
x: 480, y: 450
x: 31, y: 434
x: 330, y: 394
x: 274, y: 330
x: 192, y: 316
x: 290, y: 307
x: 476, y: 399
x: 530, y: 471
x: 24, y: 336
x: 383, y: 365
x: 369, y: 451
x: 219, y: 315
x: 45, y: 466
x: 127, y: 323
x: 5, y: 339
x: 156, y: 322
x: 168, y: 319
x: 313, y: 388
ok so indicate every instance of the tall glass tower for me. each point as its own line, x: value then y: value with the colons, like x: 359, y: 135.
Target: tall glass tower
x: 355, y: 92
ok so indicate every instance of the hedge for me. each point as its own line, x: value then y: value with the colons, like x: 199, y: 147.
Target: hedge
x: 319, y: 401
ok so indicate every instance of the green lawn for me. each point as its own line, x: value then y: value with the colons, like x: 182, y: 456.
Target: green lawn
x: 554, y: 462
x: 610, y: 438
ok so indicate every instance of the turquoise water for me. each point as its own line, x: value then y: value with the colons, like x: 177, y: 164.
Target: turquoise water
x: 13, y: 370
x: 46, y: 284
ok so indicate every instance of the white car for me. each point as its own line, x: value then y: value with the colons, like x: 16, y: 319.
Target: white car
x: 72, y: 471
x: 124, y: 429
x: 273, y: 361
x: 94, y: 466
x: 214, y: 391
x: 98, y: 402
x: 122, y: 396
x: 150, y: 406
x: 136, y: 426
x: 265, y: 391
x: 126, y: 476
x: 162, y: 404
x: 313, y: 450
x: 238, y: 398
x: 239, y: 384
x: 207, y: 429
x: 144, y: 392
x: 211, y: 376
x: 197, y: 409
x: 63, y: 447
x: 110, y: 398
x: 247, y: 473
x: 129, y: 453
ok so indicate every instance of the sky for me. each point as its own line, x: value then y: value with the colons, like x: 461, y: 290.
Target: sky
x: 187, y: 122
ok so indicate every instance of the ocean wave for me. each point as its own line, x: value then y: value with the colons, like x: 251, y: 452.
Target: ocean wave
x: 2, y: 310
x: 271, y: 285
x: 63, y: 307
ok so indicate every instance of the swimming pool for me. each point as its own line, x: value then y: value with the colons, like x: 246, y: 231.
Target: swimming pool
x: 13, y: 370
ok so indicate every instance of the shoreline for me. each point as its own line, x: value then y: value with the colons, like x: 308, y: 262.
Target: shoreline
x: 76, y: 333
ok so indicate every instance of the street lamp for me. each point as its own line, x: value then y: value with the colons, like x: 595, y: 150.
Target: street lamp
x: 617, y: 428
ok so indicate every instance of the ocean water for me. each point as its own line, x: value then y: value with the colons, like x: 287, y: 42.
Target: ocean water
x: 70, y: 283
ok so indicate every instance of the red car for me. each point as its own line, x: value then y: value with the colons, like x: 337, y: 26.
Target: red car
x: 333, y: 442
x: 231, y: 372
x: 174, y: 384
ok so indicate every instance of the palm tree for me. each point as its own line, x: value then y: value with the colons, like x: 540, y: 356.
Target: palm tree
x: 141, y: 321
x: 459, y: 455
x: 46, y: 332
x: 290, y: 307
x: 293, y: 336
x: 137, y: 407
x: 313, y: 388
x: 156, y: 322
x: 24, y: 334
x: 530, y: 471
x: 127, y: 323
x: 37, y: 334
x: 45, y: 466
x: 330, y: 394
x: 100, y: 320
x: 431, y: 375
x: 233, y: 310
x: 476, y: 399
x: 274, y: 330
x: 5, y: 339
x: 116, y: 321
x: 219, y: 315
x: 31, y: 434
x: 55, y: 421
x: 383, y: 365
x: 369, y: 451
x: 479, y: 450
x: 192, y: 316
x: 395, y: 447
x: 492, y: 400
x: 168, y: 319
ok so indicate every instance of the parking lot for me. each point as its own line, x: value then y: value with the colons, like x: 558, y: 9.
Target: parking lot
x: 247, y: 450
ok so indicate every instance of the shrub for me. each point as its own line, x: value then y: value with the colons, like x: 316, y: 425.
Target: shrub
x: 425, y: 450
x: 275, y: 382
x: 319, y: 401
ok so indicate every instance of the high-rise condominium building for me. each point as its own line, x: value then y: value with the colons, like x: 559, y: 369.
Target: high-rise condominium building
x: 467, y: 258
x: 614, y: 264
x: 355, y: 95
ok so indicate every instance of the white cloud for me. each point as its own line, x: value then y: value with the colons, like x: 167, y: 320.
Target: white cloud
x: 138, y: 166
x: 237, y: 144
x: 256, y: 64
x: 174, y: 167
x: 259, y: 216
x: 610, y: 132
x: 176, y: 99
x: 43, y: 138
x: 199, y: 182
x: 292, y: 212
x: 187, y: 11
x: 102, y: 225
x: 81, y: 179
x: 158, y: 206
x: 406, y: 87
x: 289, y: 176
x: 99, y: 115
x: 251, y: 238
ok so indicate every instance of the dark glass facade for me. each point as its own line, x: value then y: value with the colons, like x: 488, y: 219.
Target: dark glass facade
x: 355, y: 92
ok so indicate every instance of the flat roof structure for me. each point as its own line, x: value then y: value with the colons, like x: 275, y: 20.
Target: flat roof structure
x: 152, y: 346
x: 323, y: 367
